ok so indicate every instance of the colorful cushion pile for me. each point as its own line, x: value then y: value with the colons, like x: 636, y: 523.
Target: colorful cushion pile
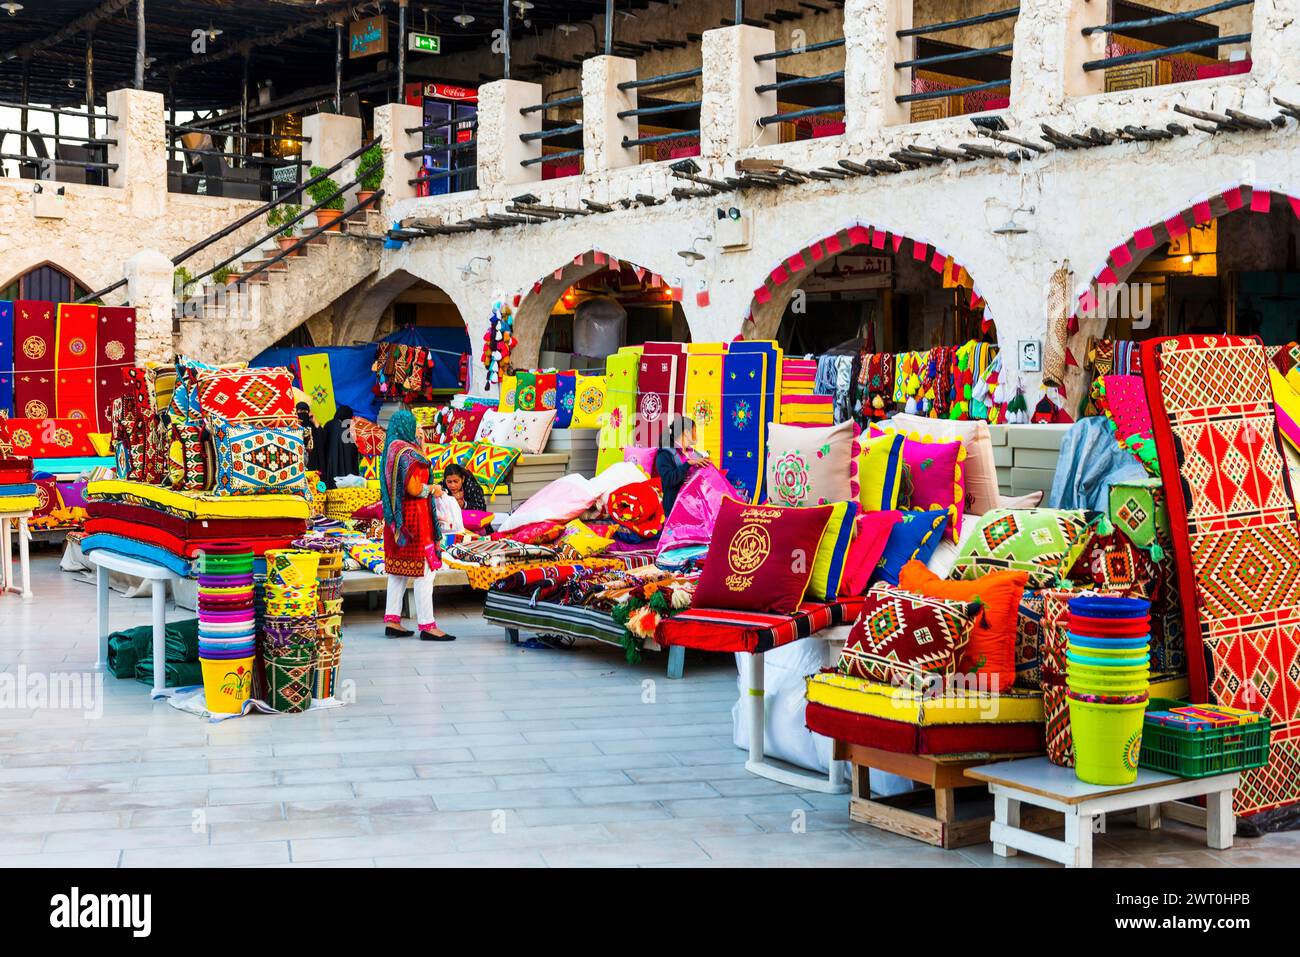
x: 1107, y: 671
x: 227, y: 626
x: 290, y: 628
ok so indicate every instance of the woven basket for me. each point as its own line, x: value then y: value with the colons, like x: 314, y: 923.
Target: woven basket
x: 328, y: 654
x: 290, y: 680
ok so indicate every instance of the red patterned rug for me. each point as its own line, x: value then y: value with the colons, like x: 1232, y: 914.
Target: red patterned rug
x: 1235, y: 536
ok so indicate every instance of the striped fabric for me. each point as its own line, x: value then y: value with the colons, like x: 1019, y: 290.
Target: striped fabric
x: 712, y: 629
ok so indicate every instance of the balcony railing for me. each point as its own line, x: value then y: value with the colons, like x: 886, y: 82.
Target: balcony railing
x: 448, y: 159
x: 196, y: 165
x: 972, y: 79
x: 664, y: 141
x: 820, y: 96
x: 76, y: 159
x: 558, y: 162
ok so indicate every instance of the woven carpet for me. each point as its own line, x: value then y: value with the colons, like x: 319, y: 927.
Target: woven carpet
x: 1233, y: 522
x: 33, y: 359
x: 74, y: 363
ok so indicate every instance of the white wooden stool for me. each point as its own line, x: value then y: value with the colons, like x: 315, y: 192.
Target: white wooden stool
x: 9, y: 523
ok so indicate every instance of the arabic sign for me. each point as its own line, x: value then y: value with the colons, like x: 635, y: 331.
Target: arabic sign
x: 368, y: 37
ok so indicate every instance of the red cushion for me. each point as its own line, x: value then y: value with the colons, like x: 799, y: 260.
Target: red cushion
x: 902, y: 637
x: 761, y: 556
x: 903, y: 738
x: 870, y: 535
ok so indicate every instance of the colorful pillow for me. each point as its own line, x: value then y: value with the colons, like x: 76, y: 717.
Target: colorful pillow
x: 811, y: 465
x: 490, y: 463
x: 1045, y: 542
x: 252, y: 460
x: 564, y: 398
x: 1029, y: 632
x: 870, y: 536
x: 460, y: 425
x: 545, y: 392
x: 528, y: 432
x: 588, y: 401
x: 904, y: 639
x: 979, y: 471
x: 932, y: 475
x: 644, y: 459
x: 437, y: 453
x: 991, y: 649
x: 880, y: 472
x: 509, y: 392
x: 916, y: 536
x: 831, y: 563
x: 193, y: 472
x: 249, y: 395
x: 494, y: 427
x: 579, y: 536
x: 526, y: 392
x: 101, y: 442
x: 762, y: 557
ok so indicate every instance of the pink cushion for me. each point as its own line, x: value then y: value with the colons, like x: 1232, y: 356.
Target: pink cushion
x: 644, y: 458
x: 871, y: 534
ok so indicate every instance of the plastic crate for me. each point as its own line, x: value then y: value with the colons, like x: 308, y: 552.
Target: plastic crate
x: 1202, y: 754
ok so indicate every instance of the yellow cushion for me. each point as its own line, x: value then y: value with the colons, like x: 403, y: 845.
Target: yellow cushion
x: 204, y: 505
x: 102, y: 442
x: 588, y: 401
x: 579, y: 536
x: 509, y: 386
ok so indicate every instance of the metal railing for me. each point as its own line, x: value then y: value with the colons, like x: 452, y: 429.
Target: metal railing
x: 33, y: 158
x: 247, y: 218
x: 955, y: 56
x: 463, y: 177
x: 794, y: 82
x: 1163, y: 20
x: 209, y: 167
x: 547, y: 134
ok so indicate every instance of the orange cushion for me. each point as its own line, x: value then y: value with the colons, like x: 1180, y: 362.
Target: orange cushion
x: 991, y: 650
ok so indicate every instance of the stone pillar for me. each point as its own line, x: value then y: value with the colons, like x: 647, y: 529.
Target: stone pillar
x: 869, y: 75
x: 149, y: 289
x: 391, y: 123
x: 500, y: 150
x: 141, y: 151
x: 730, y: 108
x: 1050, y: 53
x: 602, y: 130
x: 1275, y: 37
x: 332, y: 138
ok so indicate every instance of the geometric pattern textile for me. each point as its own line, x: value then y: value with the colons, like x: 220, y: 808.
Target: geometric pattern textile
x: 901, y: 637
x: 1045, y: 542
x: 1236, y: 543
x: 744, y: 422
x: 252, y: 460
x: 246, y: 394
x: 490, y: 464
x: 619, y: 420
x: 74, y: 363
x: 114, y: 351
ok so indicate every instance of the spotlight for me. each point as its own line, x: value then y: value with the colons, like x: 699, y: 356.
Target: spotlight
x: 686, y: 167
x: 11, y: 8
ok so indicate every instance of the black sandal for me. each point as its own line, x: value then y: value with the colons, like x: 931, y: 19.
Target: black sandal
x: 391, y: 632
x: 430, y: 636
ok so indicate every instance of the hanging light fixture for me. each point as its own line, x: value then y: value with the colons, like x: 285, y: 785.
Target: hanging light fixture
x: 523, y: 6
x: 11, y: 8
x: 464, y: 19
x: 213, y: 32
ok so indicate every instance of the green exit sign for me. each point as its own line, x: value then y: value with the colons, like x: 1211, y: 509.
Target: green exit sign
x: 423, y: 43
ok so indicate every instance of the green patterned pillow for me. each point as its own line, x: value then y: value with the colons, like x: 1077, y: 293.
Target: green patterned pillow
x: 1045, y: 542
x: 526, y: 392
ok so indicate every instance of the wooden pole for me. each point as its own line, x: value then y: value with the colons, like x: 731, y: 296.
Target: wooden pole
x: 505, y: 16
x: 401, y: 51
x: 139, y: 44
x: 90, y: 83
x: 338, y: 66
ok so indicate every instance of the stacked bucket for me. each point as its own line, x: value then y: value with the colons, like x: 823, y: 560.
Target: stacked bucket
x: 289, y: 628
x: 329, y: 584
x: 1107, y: 675
x: 227, y: 626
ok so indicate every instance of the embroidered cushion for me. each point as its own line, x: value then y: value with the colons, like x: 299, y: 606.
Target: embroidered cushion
x: 1045, y: 542
x: 565, y: 394
x: 190, y: 469
x: 831, y: 563
x: 588, y: 401
x: 526, y: 392
x: 528, y: 432
x: 932, y: 475
x: 246, y: 394
x: 811, y: 465
x: 368, y: 435
x: 490, y: 464
x: 546, y: 386
x: 880, y: 472
x: 870, y: 536
x: 917, y: 536
x: 979, y: 471
x: 494, y: 427
x: 903, y: 638
x: 252, y: 459
x: 1029, y: 631
x: 509, y: 390
x: 991, y: 650
x: 644, y: 459
x: 761, y: 557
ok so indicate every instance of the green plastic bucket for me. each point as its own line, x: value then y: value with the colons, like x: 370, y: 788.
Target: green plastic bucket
x: 1136, y: 655
x: 1107, y: 687
x: 1107, y: 741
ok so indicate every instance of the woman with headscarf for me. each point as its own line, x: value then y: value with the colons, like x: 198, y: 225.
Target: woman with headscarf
x: 339, y: 453
x: 410, y: 529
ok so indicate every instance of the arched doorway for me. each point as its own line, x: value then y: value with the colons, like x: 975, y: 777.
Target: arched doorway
x: 46, y: 282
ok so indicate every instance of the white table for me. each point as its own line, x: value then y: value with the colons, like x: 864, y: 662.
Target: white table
x: 105, y: 562
x: 1038, y: 782
x: 9, y: 522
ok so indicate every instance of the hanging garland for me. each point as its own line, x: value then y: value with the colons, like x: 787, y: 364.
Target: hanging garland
x: 498, y: 342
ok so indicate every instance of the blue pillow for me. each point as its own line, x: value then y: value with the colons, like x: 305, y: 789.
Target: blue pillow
x: 916, y: 536
x: 565, y: 393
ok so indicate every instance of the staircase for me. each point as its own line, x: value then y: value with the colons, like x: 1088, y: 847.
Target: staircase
x: 235, y: 321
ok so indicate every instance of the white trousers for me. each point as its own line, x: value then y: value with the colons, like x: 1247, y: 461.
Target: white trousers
x: 423, y: 589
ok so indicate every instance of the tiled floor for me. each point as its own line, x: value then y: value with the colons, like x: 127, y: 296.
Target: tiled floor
x: 472, y: 753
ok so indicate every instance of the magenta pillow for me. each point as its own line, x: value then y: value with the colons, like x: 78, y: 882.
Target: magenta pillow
x: 870, y: 535
x: 934, y: 478
x: 645, y: 458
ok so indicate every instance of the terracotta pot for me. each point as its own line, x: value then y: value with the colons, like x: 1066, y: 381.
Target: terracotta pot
x: 329, y: 218
x: 365, y: 194
x: 286, y: 243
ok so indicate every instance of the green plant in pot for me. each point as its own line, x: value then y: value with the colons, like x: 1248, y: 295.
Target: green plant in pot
x: 222, y: 276
x: 328, y: 215
x: 371, y: 167
x: 284, y: 216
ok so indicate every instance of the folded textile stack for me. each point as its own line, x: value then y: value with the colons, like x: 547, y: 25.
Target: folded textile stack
x: 807, y: 409
x: 227, y: 626
x: 18, y: 497
x: 340, y: 503
x: 290, y: 628
x: 798, y: 376
x: 171, y: 528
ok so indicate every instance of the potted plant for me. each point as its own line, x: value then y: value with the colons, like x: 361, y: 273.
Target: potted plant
x: 320, y: 192
x: 182, y: 282
x: 223, y: 276
x: 284, y: 216
x: 371, y: 166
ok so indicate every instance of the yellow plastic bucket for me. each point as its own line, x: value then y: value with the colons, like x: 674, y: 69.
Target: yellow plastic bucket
x: 291, y: 566
x: 1107, y: 741
x: 227, y: 684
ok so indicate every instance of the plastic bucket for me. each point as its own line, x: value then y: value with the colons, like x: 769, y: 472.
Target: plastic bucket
x: 1107, y: 606
x: 1129, y: 663
x: 291, y: 566
x: 227, y: 683
x: 1092, y: 644
x: 1107, y: 741
x: 1110, y: 656
x: 1109, y: 627
x: 234, y: 654
x: 1139, y: 698
x: 1092, y: 686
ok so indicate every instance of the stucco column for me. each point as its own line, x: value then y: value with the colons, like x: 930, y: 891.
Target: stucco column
x: 141, y: 151
x: 730, y: 108
x: 1275, y: 37
x: 332, y: 138
x: 500, y: 124
x: 870, y: 80
x: 149, y: 289
x: 391, y: 123
x: 1050, y: 53
x: 602, y: 130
